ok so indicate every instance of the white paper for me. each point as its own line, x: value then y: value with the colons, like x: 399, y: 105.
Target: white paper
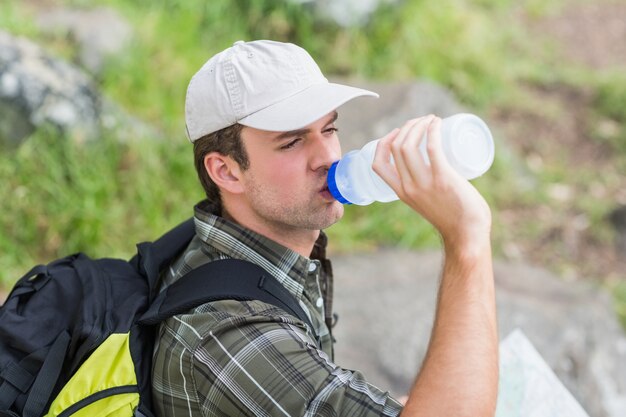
x: 527, y: 386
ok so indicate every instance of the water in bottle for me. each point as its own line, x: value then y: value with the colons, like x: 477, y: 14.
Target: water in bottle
x: 467, y: 145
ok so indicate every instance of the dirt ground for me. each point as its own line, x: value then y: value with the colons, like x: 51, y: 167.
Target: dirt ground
x: 555, y: 131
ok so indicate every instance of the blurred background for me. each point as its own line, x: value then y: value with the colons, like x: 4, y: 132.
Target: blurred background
x: 548, y: 76
x: 94, y: 157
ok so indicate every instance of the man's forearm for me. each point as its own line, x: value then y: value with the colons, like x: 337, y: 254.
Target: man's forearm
x: 459, y: 375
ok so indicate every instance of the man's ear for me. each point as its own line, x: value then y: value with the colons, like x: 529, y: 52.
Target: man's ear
x: 224, y: 171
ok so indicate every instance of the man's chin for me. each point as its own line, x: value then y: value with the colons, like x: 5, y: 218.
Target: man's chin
x: 322, y: 217
x: 337, y: 211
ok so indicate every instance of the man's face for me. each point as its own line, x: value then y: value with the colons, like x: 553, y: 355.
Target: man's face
x: 285, y: 182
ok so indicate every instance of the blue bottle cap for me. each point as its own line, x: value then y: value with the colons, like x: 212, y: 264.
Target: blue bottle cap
x: 332, y: 185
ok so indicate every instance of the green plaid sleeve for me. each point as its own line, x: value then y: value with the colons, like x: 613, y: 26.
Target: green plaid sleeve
x: 251, y: 359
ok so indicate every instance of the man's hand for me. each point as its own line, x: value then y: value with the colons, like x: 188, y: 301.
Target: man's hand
x: 436, y: 191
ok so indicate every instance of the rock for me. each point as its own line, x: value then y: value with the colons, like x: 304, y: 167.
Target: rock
x: 365, y: 119
x: 386, y: 301
x: 98, y: 33
x: 345, y: 13
x: 36, y: 89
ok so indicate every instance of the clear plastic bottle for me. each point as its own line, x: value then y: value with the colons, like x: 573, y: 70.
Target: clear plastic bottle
x: 467, y: 144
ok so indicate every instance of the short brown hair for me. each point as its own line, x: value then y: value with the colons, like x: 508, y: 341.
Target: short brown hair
x: 227, y: 142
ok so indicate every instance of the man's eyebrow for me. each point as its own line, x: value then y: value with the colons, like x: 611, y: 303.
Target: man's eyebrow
x: 334, y: 117
x: 291, y: 133
x: 300, y: 132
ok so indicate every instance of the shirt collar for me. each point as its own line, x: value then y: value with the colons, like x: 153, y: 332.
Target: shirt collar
x: 236, y: 241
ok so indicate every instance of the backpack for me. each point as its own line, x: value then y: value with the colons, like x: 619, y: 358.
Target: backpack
x: 77, y: 335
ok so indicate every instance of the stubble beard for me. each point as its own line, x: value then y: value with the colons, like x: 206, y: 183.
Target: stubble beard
x: 311, y: 213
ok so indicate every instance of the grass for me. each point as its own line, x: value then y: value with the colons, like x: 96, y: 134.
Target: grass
x: 610, y: 114
x: 101, y: 199
x: 59, y: 196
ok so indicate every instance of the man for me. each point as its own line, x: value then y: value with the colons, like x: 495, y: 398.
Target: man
x: 262, y: 117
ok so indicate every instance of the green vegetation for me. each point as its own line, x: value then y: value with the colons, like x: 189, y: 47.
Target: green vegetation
x: 610, y: 114
x: 102, y: 198
x: 59, y: 196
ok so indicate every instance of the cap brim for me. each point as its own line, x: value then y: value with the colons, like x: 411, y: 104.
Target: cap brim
x: 304, y: 108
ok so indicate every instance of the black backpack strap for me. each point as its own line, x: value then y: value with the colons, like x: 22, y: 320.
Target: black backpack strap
x: 18, y: 379
x: 227, y: 279
x: 46, y: 379
x: 152, y: 257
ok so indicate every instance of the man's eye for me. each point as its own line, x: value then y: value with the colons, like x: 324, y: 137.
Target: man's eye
x: 331, y: 130
x: 291, y: 144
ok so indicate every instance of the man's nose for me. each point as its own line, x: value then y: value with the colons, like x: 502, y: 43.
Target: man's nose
x: 326, y: 151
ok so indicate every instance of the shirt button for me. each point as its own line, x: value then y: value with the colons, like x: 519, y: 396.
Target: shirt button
x: 319, y: 302
x: 312, y: 267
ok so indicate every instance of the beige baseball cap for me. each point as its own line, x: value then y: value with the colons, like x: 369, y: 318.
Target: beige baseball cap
x: 263, y: 84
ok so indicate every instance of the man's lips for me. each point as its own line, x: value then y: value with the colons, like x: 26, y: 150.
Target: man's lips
x: 325, y: 192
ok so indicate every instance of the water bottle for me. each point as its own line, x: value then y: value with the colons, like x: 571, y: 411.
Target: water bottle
x: 467, y: 144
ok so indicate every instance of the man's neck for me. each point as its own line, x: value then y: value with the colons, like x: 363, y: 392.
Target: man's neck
x: 298, y: 240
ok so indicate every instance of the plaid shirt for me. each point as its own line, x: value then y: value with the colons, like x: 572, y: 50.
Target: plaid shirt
x: 248, y: 358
